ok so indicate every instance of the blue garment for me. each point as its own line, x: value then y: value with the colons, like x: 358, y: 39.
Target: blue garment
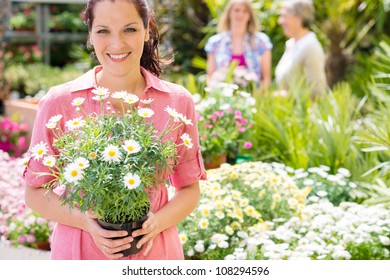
x: 220, y: 46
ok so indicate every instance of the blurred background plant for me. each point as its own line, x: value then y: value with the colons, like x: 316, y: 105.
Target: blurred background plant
x: 18, y: 223
x: 13, y: 134
x: 225, y: 120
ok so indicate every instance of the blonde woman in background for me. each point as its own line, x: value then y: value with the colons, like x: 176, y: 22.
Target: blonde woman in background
x: 239, y: 39
x: 304, y: 58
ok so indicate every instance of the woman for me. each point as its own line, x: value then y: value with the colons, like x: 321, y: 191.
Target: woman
x: 125, y: 39
x: 303, y: 61
x: 238, y: 39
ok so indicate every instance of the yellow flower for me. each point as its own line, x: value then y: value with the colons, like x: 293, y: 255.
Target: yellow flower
x: 92, y: 155
x: 276, y: 197
x: 183, y: 238
x: 235, y: 225
x: 203, y: 223
x: 229, y: 230
x: 244, y: 202
x: 250, y: 210
x: 262, y: 193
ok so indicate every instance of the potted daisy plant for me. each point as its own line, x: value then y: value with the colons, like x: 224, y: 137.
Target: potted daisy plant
x: 108, y: 163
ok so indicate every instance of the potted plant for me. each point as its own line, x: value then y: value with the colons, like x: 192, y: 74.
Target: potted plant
x: 108, y: 163
x: 225, y: 116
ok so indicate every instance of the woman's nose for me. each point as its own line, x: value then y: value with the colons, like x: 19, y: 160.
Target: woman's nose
x: 117, y: 41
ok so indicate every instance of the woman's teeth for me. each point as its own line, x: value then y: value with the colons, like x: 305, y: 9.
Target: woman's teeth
x: 118, y: 56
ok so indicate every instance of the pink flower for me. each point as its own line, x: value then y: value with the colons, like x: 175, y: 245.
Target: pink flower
x: 22, y: 239
x: 247, y: 145
x: 30, y: 238
x: 220, y: 113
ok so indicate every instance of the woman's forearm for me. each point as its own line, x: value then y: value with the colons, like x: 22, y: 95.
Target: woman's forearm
x: 179, y: 207
x: 47, y: 204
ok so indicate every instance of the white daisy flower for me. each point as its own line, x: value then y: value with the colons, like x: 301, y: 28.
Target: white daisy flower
x: 82, y: 163
x: 55, y: 119
x: 73, y: 173
x: 147, y: 101
x: 75, y: 123
x: 132, y: 181
x: 199, y: 246
x: 131, y: 146
x: 187, y: 140
x: 185, y: 120
x: 78, y: 101
x: 203, y: 223
x: 119, y: 94
x: 49, y: 161
x: 51, y: 125
x: 145, y: 112
x: 130, y: 98
x: 183, y: 237
x: 39, y: 150
x: 173, y: 113
x: 101, y: 91
x: 111, y: 154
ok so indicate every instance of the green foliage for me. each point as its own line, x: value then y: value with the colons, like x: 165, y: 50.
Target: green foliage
x: 31, y: 79
x: 301, y: 133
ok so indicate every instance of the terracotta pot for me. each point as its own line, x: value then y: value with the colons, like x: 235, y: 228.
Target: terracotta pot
x: 129, y: 227
x: 42, y: 245
x: 215, y: 161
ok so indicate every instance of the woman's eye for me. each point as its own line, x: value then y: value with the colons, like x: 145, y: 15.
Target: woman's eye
x: 102, y: 31
x: 130, y: 30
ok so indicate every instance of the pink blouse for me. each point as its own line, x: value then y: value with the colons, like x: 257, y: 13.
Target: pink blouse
x: 74, y: 243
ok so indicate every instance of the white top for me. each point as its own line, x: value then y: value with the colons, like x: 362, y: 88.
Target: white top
x: 303, y: 60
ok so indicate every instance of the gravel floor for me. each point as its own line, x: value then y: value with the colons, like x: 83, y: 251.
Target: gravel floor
x: 8, y: 252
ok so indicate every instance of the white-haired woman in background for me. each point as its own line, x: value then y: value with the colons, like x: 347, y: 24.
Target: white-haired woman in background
x: 304, y: 58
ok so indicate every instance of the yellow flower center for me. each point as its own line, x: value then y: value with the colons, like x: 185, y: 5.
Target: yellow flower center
x: 74, y: 173
x: 111, y: 153
x: 130, y: 148
x: 40, y: 152
x: 131, y: 181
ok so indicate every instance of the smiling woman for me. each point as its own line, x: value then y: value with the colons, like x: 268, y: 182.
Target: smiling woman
x: 125, y: 39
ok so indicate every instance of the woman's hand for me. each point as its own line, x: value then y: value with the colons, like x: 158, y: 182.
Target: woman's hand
x: 103, y: 238
x: 150, y: 229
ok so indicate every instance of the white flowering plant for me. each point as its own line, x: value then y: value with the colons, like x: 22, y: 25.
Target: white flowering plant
x: 107, y: 163
x: 350, y: 231
x: 337, y: 188
x: 237, y: 200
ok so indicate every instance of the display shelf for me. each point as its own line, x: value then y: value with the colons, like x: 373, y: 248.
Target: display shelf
x: 42, y: 34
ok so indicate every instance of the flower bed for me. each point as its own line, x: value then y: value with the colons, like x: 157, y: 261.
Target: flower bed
x: 17, y: 222
x: 349, y: 231
x: 258, y: 210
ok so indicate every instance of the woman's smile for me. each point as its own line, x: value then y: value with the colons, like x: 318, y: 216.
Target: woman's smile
x: 118, y: 57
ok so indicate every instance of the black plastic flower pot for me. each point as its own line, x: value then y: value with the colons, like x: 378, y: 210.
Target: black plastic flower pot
x: 129, y: 227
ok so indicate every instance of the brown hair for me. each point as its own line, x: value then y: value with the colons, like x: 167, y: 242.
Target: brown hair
x: 224, y: 22
x: 150, y: 59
